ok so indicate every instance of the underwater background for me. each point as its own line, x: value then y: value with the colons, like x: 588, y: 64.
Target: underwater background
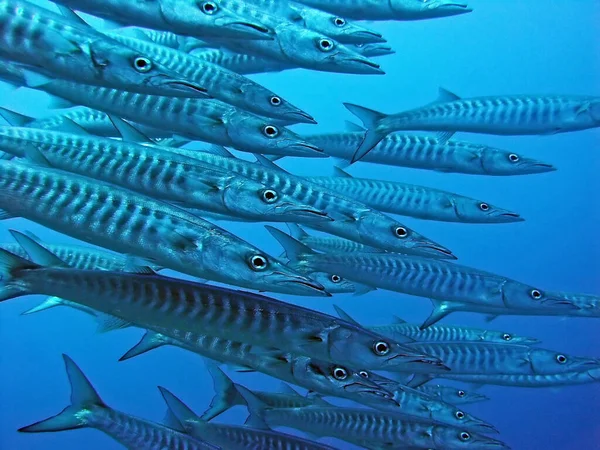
x: 502, y: 47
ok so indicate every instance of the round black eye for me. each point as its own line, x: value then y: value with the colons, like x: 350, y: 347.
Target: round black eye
x: 326, y: 45
x: 484, y: 206
x: 506, y: 337
x: 464, y: 436
x: 340, y: 373
x: 209, y: 8
x: 339, y: 22
x: 275, y: 101
x: 142, y: 64
x: 401, y: 232
x: 269, y: 196
x: 364, y: 374
x: 336, y: 278
x: 514, y: 158
x: 461, y: 393
x: 258, y: 262
x: 561, y: 359
x: 535, y: 294
x: 459, y: 415
x: 381, y: 348
x: 271, y: 131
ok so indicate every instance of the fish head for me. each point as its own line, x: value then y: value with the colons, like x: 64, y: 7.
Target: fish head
x: 370, y: 50
x: 587, y: 305
x: 334, y: 284
x: 266, y: 103
x: 428, y: 9
x: 137, y: 72
x: 260, y: 135
x: 362, y: 348
x: 476, y: 211
x: 378, y: 230
x: 203, y: 18
x: 521, y: 296
x: 547, y: 362
x: 449, y: 414
x: 247, y: 198
x: 457, y: 438
x: 457, y: 396
x: 338, y: 28
x: 339, y: 380
x: 501, y: 162
x: 582, y: 113
x: 319, y: 51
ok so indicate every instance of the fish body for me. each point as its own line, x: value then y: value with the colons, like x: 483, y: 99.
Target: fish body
x: 392, y: 9
x: 166, y: 38
x: 532, y: 381
x: 122, y: 221
x: 452, y: 395
x: 87, y: 410
x: 328, y: 244
x: 417, y: 201
x: 203, y: 19
x: 155, y: 172
x: 431, y: 153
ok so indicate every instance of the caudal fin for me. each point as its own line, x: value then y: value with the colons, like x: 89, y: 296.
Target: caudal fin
x: 83, y: 398
x: 10, y: 265
x: 50, y: 302
x: 149, y: 341
x: 294, y: 249
x: 256, y: 407
x: 226, y: 394
x: 370, y: 119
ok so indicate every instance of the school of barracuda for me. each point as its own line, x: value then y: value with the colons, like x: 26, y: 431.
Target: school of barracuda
x: 114, y: 171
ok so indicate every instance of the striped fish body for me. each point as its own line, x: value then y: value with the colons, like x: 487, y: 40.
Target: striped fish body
x: 168, y: 39
x: 531, y: 381
x: 333, y: 244
x: 242, y: 63
x: 509, y: 115
x: 452, y: 395
x: 427, y: 152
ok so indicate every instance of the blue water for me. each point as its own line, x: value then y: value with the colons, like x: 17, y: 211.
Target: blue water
x: 503, y: 47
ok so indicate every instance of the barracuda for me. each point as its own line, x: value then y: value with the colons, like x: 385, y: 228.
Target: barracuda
x: 126, y: 222
x: 452, y: 395
x: 328, y: 244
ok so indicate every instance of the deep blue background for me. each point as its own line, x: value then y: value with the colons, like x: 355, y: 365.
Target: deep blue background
x: 541, y: 46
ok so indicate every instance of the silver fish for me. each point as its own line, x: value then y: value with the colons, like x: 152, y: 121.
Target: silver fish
x: 508, y: 115
x: 120, y: 220
x: 431, y: 153
x: 365, y: 425
x: 233, y: 437
x: 534, y: 381
x: 392, y: 9
x: 416, y: 201
x: 452, y: 395
x: 55, y: 46
x: 328, y: 244
x: 87, y: 410
x: 166, y: 38
x: 202, y: 18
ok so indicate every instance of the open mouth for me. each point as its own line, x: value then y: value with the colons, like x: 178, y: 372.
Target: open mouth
x: 260, y: 29
x: 435, y: 250
x: 303, y: 117
x: 462, y: 6
x: 311, y: 214
x: 376, y: 68
x: 312, y: 150
x: 307, y: 284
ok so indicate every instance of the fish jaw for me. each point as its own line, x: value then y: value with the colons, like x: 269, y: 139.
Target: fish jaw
x: 244, y: 28
x: 357, y: 64
x: 291, y: 212
x: 445, y: 8
x: 295, y: 285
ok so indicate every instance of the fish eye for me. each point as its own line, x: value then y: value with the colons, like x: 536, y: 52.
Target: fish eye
x: 270, y: 131
x: 340, y: 373
x: 364, y: 374
x: 336, y: 278
x: 461, y: 394
x: 513, y: 158
x: 209, y: 8
x: 506, y: 337
x: 381, y: 348
x: 459, y: 415
x: 401, y: 232
x: 339, y: 22
x: 258, y: 262
x: 269, y: 196
x: 484, y: 206
x: 464, y: 436
x: 325, y: 45
x: 142, y: 65
x: 359, y: 45
x: 275, y: 101
x: 561, y: 359
x: 535, y: 294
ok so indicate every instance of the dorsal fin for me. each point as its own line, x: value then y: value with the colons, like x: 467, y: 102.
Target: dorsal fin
x: 14, y: 118
x: 444, y: 95
x: 345, y: 316
x: 269, y: 164
x: 354, y: 127
x: 128, y: 132
x: 217, y: 150
x: 38, y: 254
x: 339, y: 172
x: 398, y: 320
x: 71, y: 15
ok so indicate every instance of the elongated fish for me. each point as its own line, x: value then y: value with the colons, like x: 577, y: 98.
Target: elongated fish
x: 533, y: 381
x: 502, y: 115
x: 431, y: 153
x: 87, y: 410
x: 392, y: 9
x: 166, y: 38
x: 36, y: 37
x: 328, y: 244
x: 452, y: 395
x: 416, y: 201
x: 442, y: 333
x: 203, y: 18
x: 157, y: 173
x: 126, y: 222
x: 365, y: 425
x: 156, y: 303
x: 233, y: 437
x: 451, y: 286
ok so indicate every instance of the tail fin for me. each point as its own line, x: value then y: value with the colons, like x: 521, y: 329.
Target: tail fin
x: 149, y: 341
x: 178, y: 412
x: 9, y: 266
x: 50, y: 302
x: 294, y: 249
x: 370, y: 119
x: 83, y: 397
x: 297, y: 231
x: 226, y: 393
x: 256, y: 407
